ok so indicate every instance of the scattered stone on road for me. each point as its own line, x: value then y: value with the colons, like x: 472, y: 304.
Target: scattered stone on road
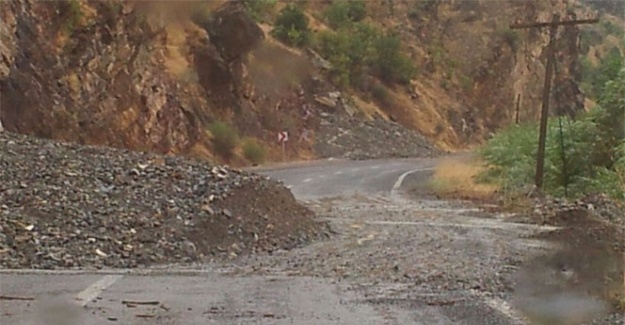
x: 65, y: 205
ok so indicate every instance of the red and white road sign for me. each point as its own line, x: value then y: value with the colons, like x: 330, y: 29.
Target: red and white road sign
x: 283, y: 136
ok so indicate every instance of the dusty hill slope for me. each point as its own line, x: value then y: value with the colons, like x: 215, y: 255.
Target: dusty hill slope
x: 154, y: 75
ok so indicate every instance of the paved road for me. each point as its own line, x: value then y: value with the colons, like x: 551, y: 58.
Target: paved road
x: 321, y: 179
x: 210, y: 297
x: 214, y: 297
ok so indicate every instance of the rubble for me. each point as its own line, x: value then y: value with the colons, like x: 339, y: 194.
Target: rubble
x: 65, y: 205
x: 352, y: 138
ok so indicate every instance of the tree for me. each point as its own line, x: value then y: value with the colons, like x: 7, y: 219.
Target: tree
x: 392, y: 65
x: 291, y: 26
x: 344, y: 13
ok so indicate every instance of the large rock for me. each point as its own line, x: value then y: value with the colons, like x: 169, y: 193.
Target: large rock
x: 234, y: 32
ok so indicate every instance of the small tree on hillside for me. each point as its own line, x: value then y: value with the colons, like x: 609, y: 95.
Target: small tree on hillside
x: 343, y: 13
x: 291, y: 27
x: 392, y: 65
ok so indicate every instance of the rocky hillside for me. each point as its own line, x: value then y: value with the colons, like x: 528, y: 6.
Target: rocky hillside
x: 155, y: 76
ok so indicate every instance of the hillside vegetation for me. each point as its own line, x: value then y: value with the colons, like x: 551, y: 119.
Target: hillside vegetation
x: 219, y: 79
x: 584, y: 156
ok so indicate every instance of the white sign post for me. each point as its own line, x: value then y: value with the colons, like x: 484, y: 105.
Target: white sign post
x: 283, y: 137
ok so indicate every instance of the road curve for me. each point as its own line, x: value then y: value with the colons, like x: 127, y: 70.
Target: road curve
x: 324, y: 179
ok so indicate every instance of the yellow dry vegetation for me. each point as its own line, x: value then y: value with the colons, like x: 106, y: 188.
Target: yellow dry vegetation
x: 175, y: 59
x: 456, y: 178
x: 369, y: 110
x: 74, y: 84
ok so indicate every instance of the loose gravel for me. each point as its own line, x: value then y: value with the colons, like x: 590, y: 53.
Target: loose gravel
x: 65, y: 205
x: 350, y: 138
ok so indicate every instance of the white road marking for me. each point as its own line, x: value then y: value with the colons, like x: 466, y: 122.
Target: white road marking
x: 501, y: 225
x: 338, y: 172
x: 92, y: 292
x: 374, y: 167
x: 307, y: 180
x: 401, y: 178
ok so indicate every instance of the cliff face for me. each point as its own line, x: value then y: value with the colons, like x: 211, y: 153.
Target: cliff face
x: 474, y: 69
x: 91, y: 73
x: 126, y: 74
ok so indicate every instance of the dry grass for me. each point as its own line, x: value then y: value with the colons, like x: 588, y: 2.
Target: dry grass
x: 455, y: 178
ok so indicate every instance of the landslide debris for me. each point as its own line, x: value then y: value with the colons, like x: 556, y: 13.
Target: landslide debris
x: 65, y: 205
x: 351, y: 138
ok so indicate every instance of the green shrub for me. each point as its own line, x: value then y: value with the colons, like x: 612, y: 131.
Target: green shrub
x: 361, y: 49
x: 595, y: 78
x: 259, y: 10
x: 391, y: 63
x: 511, y: 37
x: 381, y: 94
x: 71, y: 14
x: 291, y: 27
x: 225, y: 138
x: 254, y: 151
x: 593, y: 145
x: 343, y: 13
x: 350, y: 51
x: 612, y: 29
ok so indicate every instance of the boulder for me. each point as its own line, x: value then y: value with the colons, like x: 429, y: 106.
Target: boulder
x: 234, y: 32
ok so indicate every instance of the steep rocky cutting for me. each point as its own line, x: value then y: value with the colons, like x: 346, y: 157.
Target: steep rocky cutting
x: 142, y: 75
x: 153, y: 76
x: 65, y: 205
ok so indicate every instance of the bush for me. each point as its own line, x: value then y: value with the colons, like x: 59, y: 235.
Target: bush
x: 71, y: 14
x: 343, y: 13
x: 254, y: 151
x: 612, y: 29
x: 259, y: 10
x: 225, y: 138
x: 593, y: 145
x: 595, y: 78
x: 291, y: 27
x: 381, y: 94
x: 350, y: 51
x: 511, y: 37
x: 393, y: 66
x: 362, y: 49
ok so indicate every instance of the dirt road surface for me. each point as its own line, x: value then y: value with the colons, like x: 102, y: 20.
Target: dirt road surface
x: 391, y: 260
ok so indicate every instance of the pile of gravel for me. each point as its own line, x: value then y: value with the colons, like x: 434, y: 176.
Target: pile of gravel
x: 64, y: 205
x: 355, y: 139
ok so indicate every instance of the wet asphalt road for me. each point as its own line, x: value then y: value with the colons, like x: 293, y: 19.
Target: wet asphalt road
x: 323, y: 179
x: 213, y: 297
x: 208, y: 298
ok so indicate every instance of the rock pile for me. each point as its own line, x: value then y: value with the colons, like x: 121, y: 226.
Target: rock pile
x: 550, y: 210
x: 64, y: 205
x: 351, y: 138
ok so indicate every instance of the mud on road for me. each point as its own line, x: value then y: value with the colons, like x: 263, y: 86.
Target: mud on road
x: 433, y: 262
x: 390, y: 261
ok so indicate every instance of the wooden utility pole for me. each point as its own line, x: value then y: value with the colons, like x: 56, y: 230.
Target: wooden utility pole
x: 518, y: 109
x: 544, y: 113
